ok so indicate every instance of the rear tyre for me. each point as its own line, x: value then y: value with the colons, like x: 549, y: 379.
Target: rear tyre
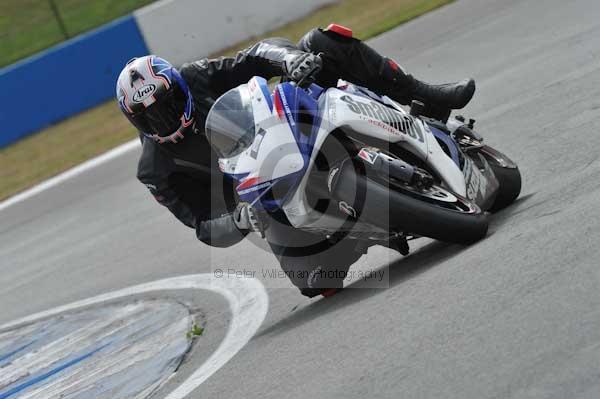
x: 510, y: 186
x: 436, y: 213
x: 431, y: 220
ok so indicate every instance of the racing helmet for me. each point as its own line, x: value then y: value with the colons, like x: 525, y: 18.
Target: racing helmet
x: 155, y: 98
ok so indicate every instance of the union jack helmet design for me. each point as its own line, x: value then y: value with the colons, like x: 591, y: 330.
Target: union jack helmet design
x: 155, y: 98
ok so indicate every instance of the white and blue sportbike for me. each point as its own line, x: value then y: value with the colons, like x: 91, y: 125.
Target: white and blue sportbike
x: 348, y: 162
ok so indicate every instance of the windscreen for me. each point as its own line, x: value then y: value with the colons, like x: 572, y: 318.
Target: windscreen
x: 230, y: 123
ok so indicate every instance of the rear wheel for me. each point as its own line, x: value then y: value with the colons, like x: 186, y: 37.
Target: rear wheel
x: 436, y: 212
x: 439, y: 214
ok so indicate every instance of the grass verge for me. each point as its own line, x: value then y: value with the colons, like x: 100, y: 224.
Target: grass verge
x: 29, y: 26
x: 93, y: 132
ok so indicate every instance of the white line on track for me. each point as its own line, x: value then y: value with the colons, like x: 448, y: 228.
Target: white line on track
x: 247, y: 297
x: 87, y: 165
x: 248, y: 303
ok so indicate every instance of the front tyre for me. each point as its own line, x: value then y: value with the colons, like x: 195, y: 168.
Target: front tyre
x: 458, y: 221
x: 509, y: 180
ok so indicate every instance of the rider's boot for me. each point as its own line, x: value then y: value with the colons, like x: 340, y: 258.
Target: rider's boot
x: 439, y: 99
x: 353, y: 60
x: 450, y: 95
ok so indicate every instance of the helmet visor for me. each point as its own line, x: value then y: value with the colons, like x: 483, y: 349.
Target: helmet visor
x: 163, y: 117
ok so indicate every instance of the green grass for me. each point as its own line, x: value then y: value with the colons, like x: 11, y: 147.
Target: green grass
x: 60, y: 147
x: 28, y: 26
x: 93, y: 132
x: 195, y: 331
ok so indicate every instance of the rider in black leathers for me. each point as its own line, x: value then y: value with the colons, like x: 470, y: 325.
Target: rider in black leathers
x: 184, y: 176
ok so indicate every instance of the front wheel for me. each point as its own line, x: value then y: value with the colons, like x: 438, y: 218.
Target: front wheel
x: 508, y: 176
x: 510, y: 186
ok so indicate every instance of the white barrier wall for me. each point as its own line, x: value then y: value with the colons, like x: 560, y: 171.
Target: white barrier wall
x: 185, y: 30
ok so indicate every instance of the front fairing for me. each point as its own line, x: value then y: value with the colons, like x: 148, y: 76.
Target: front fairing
x: 269, y: 170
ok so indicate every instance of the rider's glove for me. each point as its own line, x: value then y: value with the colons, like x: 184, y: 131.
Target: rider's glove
x: 247, y: 218
x: 302, y: 67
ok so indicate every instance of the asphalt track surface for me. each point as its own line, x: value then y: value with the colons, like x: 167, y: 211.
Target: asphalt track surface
x: 516, y: 315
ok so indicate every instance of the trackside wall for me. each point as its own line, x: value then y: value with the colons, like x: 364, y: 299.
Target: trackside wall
x: 66, y: 79
x: 81, y: 73
x: 183, y: 30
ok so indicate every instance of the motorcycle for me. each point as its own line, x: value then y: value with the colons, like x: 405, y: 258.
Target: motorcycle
x: 347, y: 162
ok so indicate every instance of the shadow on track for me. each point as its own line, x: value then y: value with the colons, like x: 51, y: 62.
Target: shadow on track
x: 509, y: 214
x: 423, y: 259
x: 402, y: 270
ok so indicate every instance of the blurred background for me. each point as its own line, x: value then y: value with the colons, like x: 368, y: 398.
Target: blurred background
x: 29, y: 26
x: 59, y: 60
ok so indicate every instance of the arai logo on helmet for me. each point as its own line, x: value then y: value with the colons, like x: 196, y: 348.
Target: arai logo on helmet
x: 144, y: 92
